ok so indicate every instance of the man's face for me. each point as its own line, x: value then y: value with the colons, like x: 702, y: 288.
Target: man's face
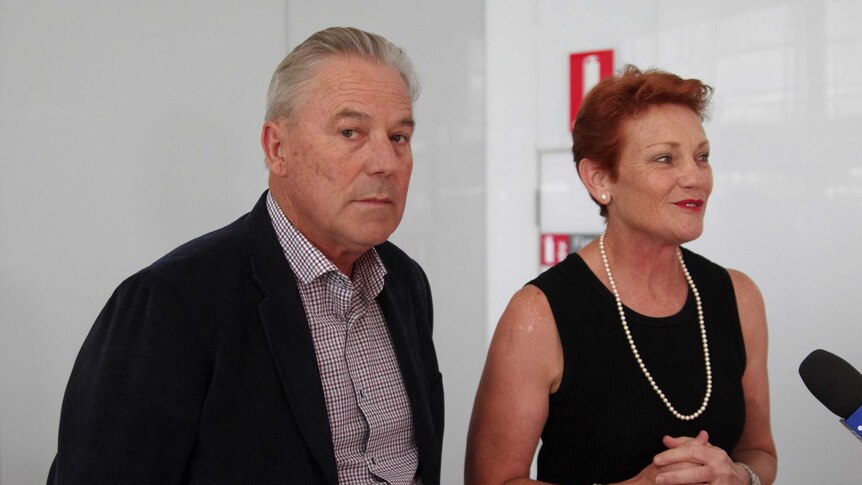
x: 340, y: 167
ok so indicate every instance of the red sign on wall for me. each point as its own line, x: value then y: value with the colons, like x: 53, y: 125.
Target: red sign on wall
x: 586, y: 69
x: 554, y: 248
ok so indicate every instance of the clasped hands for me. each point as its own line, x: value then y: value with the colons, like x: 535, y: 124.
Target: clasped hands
x: 691, y: 461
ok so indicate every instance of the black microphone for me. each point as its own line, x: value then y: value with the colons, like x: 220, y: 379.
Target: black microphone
x: 836, y: 384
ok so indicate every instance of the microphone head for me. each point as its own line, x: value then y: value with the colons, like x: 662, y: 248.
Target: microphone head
x: 833, y: 381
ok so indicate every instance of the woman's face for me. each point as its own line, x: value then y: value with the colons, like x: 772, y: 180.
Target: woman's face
x: 664, y: 177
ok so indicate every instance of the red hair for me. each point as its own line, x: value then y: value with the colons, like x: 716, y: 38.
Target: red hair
x: 597, y: 133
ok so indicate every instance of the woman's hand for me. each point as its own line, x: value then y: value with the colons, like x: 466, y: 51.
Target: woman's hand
x: 704, y: 463
x: 649, y: 474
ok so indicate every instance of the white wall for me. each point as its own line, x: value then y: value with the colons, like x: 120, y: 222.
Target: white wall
x: 126, y: 128
x: 512, y: 133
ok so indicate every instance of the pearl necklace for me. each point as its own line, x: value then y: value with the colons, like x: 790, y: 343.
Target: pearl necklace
x: 634, y: 348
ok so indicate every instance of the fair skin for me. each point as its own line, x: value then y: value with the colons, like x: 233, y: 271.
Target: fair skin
x: 340, y: 167
x: 656, y: 203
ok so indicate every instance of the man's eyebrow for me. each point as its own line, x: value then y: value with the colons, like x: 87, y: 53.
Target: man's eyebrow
x: 359, y: 115
x: 351, y: 113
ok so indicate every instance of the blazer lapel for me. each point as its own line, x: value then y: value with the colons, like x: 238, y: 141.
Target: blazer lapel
x: 286, y: 327
x: 397, y: 305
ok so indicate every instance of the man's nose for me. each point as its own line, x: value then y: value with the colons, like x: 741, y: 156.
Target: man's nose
x: 383, y: 155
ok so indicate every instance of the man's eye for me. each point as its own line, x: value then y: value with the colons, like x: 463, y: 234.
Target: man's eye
x: 704, y: 157
x: 400, y: 138
x: 348, y: 133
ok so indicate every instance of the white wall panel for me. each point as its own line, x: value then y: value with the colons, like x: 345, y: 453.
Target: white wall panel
x: 126, y: 128
x: 512, y: 175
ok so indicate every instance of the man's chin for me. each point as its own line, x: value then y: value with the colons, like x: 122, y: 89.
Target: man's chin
x: 376, y: 239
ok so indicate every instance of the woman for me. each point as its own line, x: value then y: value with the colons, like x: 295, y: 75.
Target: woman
x: 634, y: 360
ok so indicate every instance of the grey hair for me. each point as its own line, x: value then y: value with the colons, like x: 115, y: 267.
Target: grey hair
x: 296, y: 72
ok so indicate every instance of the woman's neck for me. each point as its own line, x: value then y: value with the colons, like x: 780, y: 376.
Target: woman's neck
x: 648, y: 274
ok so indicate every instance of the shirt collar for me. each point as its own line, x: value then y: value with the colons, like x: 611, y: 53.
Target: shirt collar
x: 308, y: 263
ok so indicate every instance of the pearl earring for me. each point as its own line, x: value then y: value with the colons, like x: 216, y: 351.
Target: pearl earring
x: 604, y: 196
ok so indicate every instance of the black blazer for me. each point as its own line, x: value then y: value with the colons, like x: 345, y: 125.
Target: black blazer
x: 201, y: 369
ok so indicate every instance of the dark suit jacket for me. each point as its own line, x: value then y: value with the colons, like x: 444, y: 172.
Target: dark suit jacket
x: 201, y: 369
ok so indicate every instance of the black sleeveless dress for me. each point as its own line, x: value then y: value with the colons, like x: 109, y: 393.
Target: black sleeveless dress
x: 605, y: 422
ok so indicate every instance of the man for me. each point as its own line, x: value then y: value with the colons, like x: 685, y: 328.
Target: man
x: 294, y: 345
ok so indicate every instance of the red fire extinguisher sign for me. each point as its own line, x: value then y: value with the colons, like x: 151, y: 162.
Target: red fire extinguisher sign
x: 586, y: 69
x: 554, y: 248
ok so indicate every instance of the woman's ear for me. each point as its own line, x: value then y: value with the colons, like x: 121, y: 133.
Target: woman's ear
x: 596, y: 179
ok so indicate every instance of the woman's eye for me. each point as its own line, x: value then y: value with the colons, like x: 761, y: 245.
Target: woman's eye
x: 703, y: 157
x: 664, y: 159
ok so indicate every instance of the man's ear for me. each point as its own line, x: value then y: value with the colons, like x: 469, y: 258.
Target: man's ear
x: 272, y: 140
x: 596, y: 179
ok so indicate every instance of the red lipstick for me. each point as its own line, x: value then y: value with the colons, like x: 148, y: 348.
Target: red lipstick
x: 695, y: 205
